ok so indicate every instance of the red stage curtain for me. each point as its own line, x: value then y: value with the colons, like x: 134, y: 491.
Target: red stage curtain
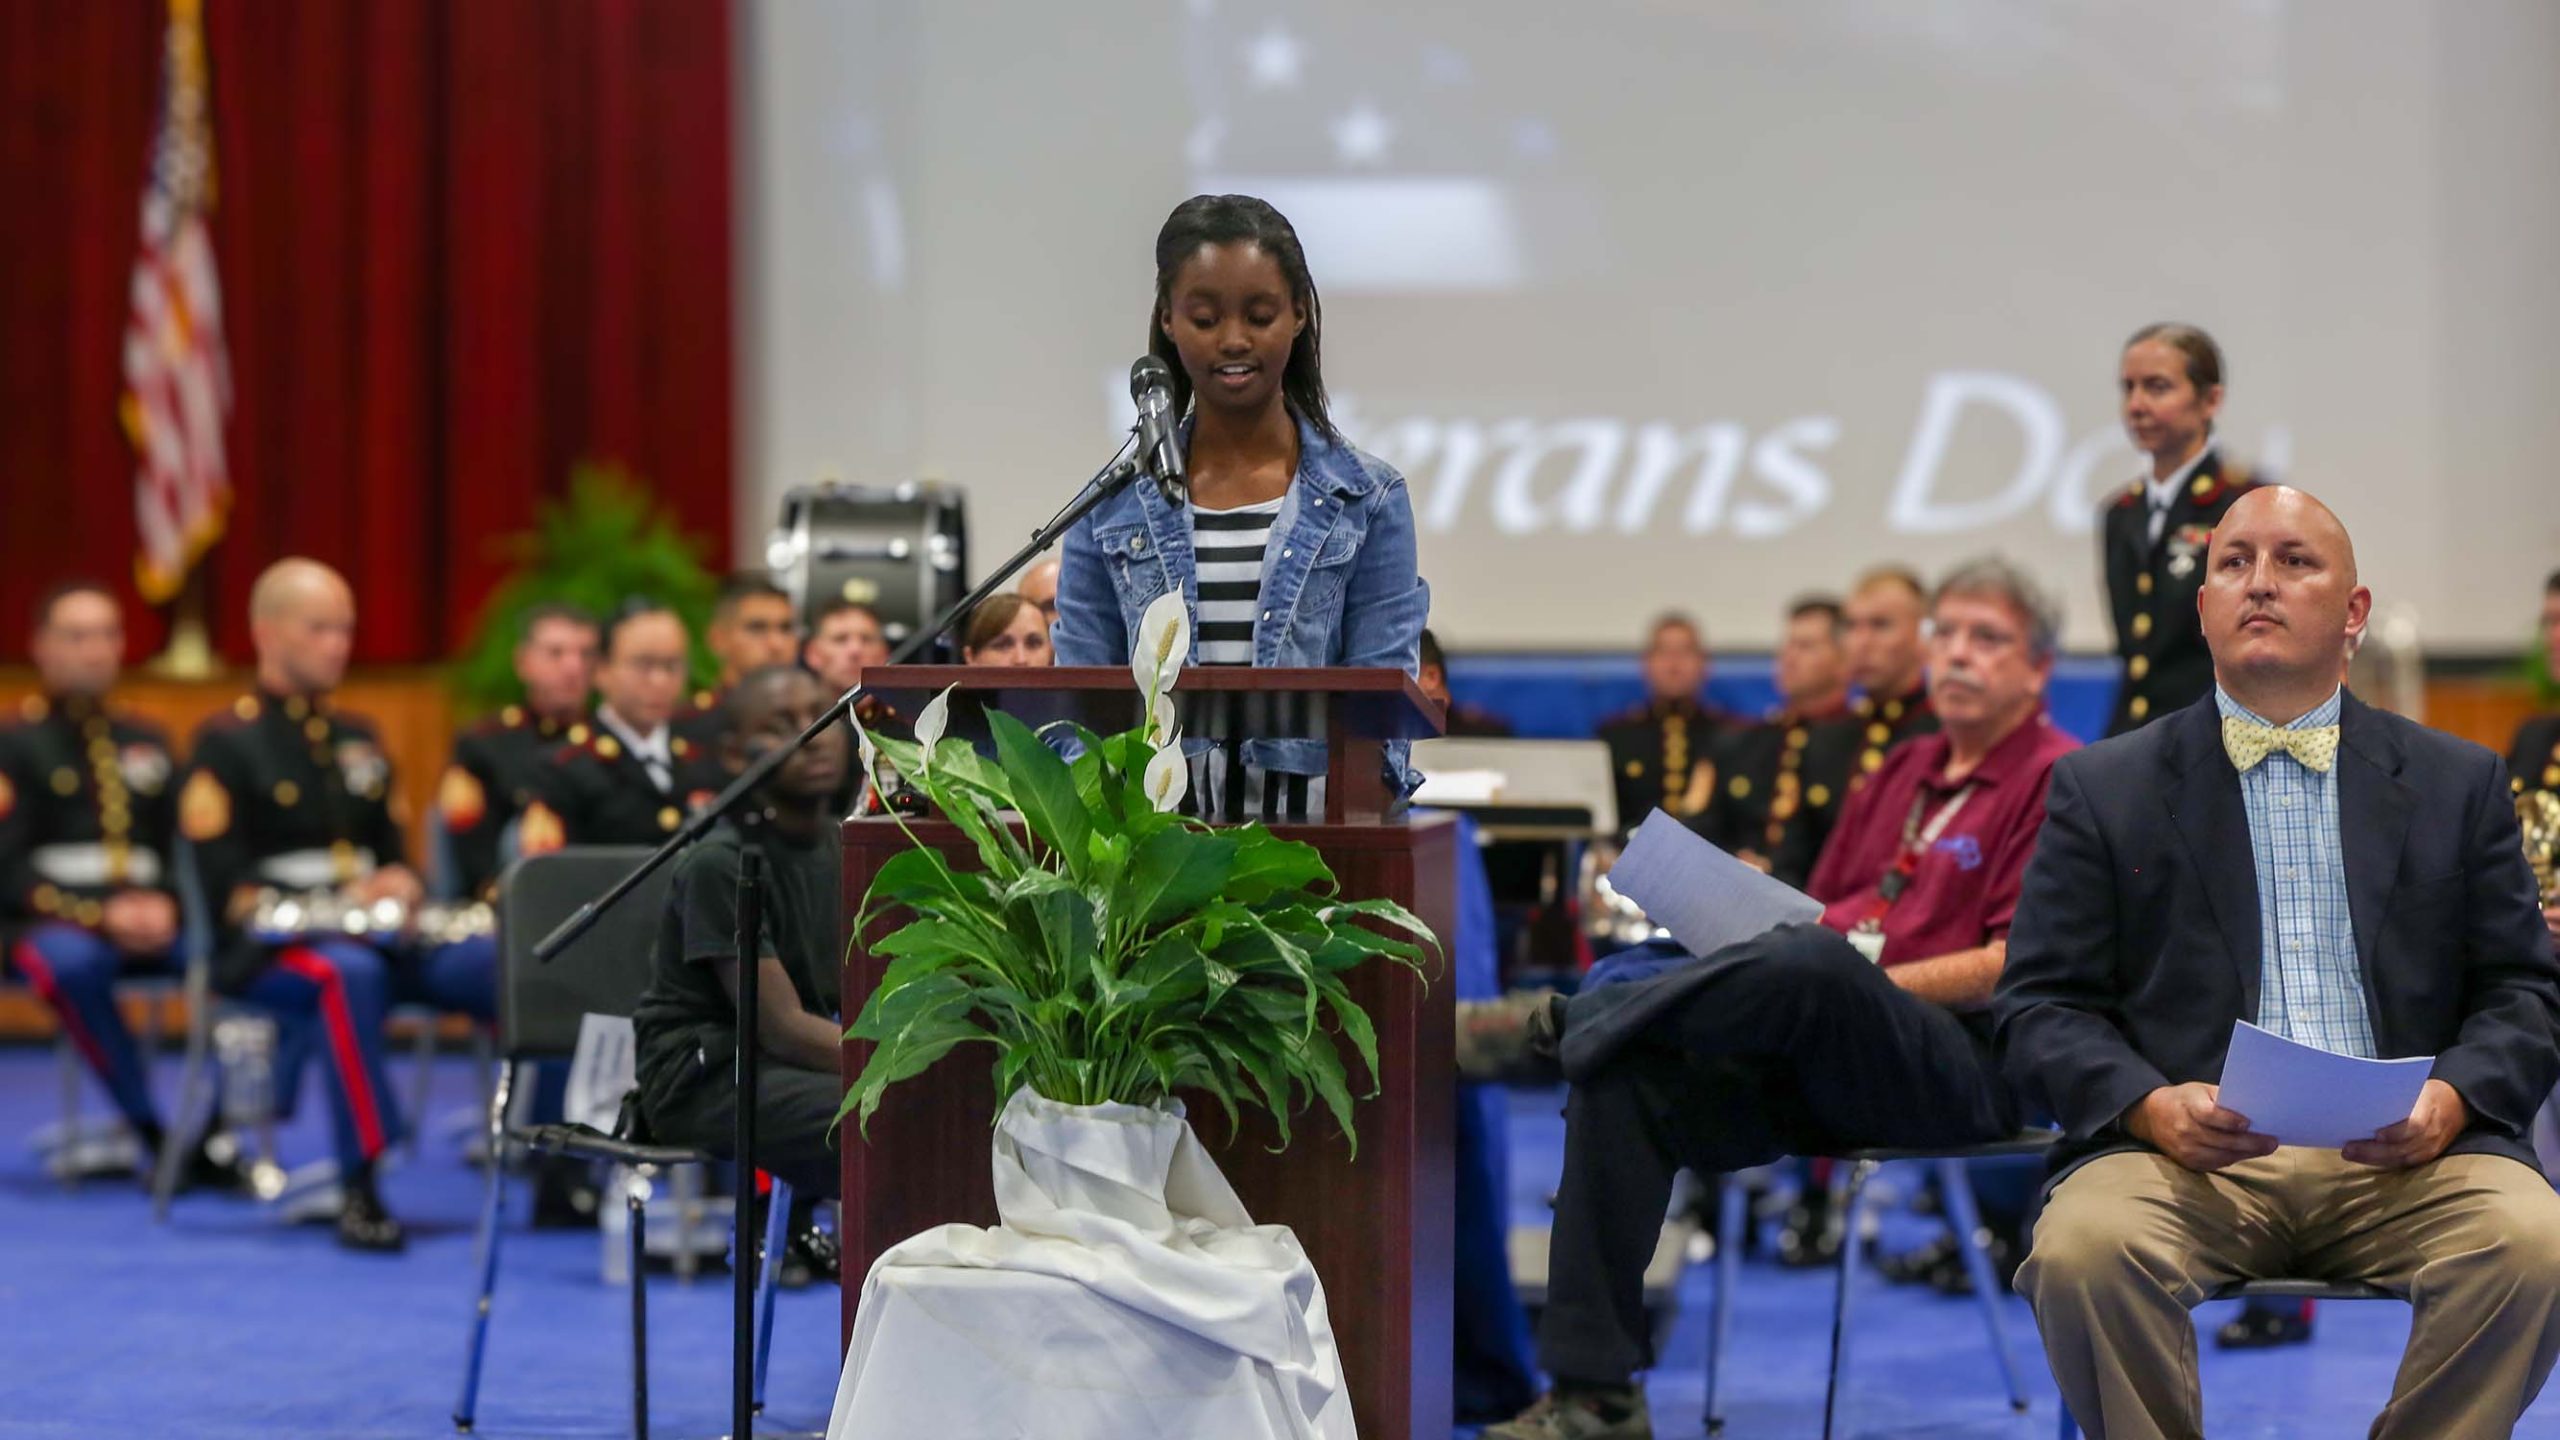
x: 464, y: 244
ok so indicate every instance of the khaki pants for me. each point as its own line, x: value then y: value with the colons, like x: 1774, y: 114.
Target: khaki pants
x: 2128, y: 1243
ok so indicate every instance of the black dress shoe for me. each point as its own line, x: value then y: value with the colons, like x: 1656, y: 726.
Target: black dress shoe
x: 2263, y: 1329
x: 363, y: 1223
x: 216, y: 1165
x: 1810, y: 1234
x: 1920, y: 1266
x: 810, y: 1257
x: 564, y: 1195
x: 1951, y: 1278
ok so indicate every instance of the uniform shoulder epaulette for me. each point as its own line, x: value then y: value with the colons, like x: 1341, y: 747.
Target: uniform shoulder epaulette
x: 239, y: 715
x: 2225, y: 481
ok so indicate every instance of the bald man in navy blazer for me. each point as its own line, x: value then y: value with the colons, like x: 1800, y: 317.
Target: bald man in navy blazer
x: 2281, y: 853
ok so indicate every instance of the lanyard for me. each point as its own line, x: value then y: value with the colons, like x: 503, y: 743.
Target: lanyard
x: 1916, y: 842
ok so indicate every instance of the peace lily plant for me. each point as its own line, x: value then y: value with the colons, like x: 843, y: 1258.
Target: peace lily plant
x: 1115, y: 950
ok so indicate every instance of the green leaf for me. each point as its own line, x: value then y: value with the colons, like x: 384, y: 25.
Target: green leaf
x: 1355, y: 1024
x: 1042, y: 790
x: 1175, y: 871
x: 1266, y: 865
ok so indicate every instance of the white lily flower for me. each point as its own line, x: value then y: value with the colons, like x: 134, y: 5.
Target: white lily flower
x: 865, y: 752
x: 1164, y: 643
x: 930, y: 724
x: 1167, y: 779
x: 1162, y: 723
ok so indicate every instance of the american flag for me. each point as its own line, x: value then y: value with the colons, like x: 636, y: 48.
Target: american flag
x: 177, y: 374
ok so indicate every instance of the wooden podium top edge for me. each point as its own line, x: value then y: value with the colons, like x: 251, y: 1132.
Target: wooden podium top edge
x: 1310, y: 680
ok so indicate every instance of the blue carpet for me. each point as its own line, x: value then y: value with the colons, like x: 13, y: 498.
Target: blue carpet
x: 225, y: 1323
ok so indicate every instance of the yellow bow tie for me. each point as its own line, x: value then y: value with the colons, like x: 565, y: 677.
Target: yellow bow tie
x: 2250, y: 742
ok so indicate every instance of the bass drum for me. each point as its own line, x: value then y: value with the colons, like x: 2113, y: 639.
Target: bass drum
x: 902, y: 550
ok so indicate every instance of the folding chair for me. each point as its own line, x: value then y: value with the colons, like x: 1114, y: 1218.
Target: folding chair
x: 194, y: 1111
x: 2270, y: 1290
x: 1953, y: 1183
x: 540, y: 1007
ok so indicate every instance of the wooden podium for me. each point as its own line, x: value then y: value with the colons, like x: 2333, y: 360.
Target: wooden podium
x: 1377, y: 1228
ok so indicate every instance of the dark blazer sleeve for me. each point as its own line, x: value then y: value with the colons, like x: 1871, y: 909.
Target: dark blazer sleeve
x: 2503, y: 1060
x: 2054, y: 1010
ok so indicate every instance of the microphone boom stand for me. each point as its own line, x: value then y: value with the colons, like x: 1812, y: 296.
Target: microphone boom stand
x: 1110, y: 480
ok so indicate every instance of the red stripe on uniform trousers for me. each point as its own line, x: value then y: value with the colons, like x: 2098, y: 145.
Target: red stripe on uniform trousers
x: 31, y: 964
x: 341, y: 1024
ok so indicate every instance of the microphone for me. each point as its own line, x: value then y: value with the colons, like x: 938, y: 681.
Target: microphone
x: 1159, y: 448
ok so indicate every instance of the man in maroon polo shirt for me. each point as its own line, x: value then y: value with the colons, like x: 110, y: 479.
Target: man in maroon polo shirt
x: 1869, y: 1029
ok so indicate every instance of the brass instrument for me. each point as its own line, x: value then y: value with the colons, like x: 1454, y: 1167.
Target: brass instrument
x: 2538, y: 814
x: 280, y: 916
x: 1607, y: 916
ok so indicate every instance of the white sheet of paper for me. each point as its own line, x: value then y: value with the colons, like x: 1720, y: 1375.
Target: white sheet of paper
x: 2303, y: 1095
x: 602, y: 1071
x: 1703, y: 896
x: 1459, y: 787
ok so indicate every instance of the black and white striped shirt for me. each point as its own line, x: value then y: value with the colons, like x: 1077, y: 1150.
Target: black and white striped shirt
x: 1228, y: 548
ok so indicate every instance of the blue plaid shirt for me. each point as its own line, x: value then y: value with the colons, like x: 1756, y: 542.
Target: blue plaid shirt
x: 2310, y: 988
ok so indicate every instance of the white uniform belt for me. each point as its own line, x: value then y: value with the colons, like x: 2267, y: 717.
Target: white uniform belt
x: 85, y: 866
x: 311, y: 869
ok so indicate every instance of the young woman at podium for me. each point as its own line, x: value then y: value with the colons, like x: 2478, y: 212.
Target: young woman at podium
x: 1296, y: 549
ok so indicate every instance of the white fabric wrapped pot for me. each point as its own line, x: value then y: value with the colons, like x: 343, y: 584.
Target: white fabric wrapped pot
x: 1125, y: 1294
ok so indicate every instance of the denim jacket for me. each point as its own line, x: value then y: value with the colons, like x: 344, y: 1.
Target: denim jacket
x: 1338, y: 583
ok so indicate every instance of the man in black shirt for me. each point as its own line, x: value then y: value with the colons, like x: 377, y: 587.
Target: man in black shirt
x: 686, y: 1022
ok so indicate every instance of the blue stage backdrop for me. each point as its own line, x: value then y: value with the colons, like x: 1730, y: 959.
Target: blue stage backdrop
x: 1565, y: 697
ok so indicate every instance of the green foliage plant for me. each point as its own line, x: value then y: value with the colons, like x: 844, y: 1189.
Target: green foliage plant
x: 608, y: 542
x: 1115, y: 950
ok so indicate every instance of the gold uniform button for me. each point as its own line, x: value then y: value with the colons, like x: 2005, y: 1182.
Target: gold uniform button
x: 1893, y: 710
x: 1872, y: 761
x: 512, y: 716
x: 288, y: 793
x: 1634, y: 768
x: 2142, y: 626
x: 1740, y: 788
x: 1797, y: 737
x: 1818, y: 796
x: 89, y: 913
x: 316, y: 728
x: 668, y: 818
x: 2139, y: 666
x: 2551, y: 776
x: 66, y: 781
x: 577, y: 734
x: 607, y: 746
x: 1783, y: 810
x: 246, y: 707
x: 1878, y: 734
x: 2142, y: 583
x: 2202, y: 487
x: 2141, y: 706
